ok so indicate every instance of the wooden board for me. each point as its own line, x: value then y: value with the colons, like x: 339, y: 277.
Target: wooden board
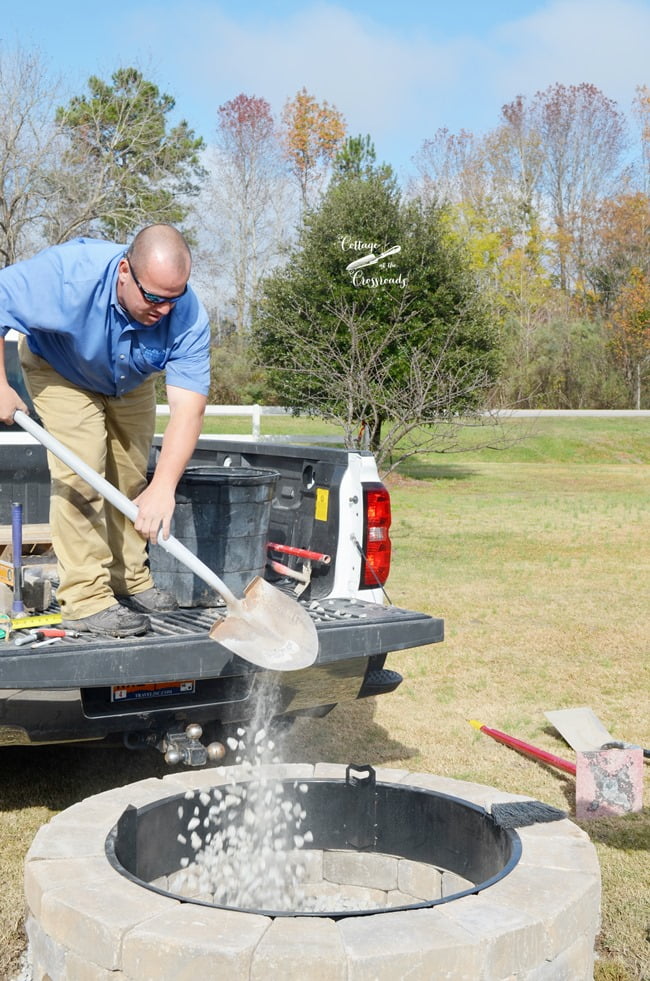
x: 33, y: 535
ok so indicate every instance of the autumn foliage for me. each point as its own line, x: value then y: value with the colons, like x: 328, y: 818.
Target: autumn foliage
x: 313, y: 133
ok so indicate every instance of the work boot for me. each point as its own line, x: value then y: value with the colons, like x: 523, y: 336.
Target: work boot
x: 152, y: 600
x: 116, y: 621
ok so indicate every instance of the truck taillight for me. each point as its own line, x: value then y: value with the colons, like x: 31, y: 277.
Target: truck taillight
x: 376, y: 540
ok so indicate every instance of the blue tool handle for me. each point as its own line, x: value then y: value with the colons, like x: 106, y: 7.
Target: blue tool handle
x: 17, y: 606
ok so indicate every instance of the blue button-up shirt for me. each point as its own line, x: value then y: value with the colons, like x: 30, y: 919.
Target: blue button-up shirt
x: 64, y: 300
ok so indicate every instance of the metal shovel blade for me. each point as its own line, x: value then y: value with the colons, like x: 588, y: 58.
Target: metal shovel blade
x: 269, y: 629
x: 265, y: 627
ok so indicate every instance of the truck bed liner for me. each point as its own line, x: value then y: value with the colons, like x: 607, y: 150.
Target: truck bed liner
x: 179, y: 647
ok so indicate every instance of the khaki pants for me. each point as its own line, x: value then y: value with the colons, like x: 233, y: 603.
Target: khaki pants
x: 99, y: 553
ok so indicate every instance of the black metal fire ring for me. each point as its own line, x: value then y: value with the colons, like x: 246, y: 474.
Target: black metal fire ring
x: 355, y: 814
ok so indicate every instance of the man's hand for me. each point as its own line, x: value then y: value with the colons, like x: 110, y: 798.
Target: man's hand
x: 156, y: 506
x: 157, y: 501
x: 10, y: 400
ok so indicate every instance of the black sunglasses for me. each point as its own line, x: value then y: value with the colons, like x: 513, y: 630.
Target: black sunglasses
x: 152, y: 297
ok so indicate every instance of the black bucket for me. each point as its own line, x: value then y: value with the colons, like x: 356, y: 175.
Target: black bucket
x: 222, y: 515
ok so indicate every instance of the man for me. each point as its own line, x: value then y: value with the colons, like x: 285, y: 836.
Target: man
x: 98, y: 324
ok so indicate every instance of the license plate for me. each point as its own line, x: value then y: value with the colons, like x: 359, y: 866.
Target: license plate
x: 155, y: 689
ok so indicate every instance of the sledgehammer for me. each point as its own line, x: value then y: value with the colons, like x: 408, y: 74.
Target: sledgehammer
x: 609, y: 772
x: 609, y: 779
x: 17, y: 606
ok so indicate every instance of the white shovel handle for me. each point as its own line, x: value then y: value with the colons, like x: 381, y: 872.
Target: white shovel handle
x: 123, y: 504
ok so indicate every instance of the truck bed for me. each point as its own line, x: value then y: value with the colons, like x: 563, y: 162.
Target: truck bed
x: 179, y: 647
x: 141, y: 689
x: 98, y: 688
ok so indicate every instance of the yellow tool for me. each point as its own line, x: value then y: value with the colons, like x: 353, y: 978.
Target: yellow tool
x: 19, y: 623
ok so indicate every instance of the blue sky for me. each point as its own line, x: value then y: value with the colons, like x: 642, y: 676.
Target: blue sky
x: 398, y: 71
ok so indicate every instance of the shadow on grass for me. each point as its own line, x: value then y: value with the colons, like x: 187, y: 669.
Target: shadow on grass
x: 348, y: 735
x: 423, y: 470
x: 56, y: 777
x: 629, y: 832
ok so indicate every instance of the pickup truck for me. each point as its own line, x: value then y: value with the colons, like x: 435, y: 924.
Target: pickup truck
x: 177, y: 690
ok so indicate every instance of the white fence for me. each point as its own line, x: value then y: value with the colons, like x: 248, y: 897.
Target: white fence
x: 254, y: 411
x: 257, y: 411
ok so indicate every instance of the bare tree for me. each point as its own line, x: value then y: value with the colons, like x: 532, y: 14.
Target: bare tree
x: 583, y: 135
x: 416, y: 412
x: 27, y: 148
x: 249, y: 212
x: 641, y: 112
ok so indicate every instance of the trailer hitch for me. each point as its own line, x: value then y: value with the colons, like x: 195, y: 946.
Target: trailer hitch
x: 185, y: 747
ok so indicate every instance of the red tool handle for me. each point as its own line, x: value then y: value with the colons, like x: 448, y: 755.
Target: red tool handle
x: 540, y: 754
x: 301, y: 553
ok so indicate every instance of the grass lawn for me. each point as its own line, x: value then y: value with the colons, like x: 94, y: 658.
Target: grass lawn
x: 538, y: 558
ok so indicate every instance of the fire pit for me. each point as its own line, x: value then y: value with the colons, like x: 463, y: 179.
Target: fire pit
x: 403, y: 872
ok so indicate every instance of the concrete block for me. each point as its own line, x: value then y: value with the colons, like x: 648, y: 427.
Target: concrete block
x: 332, y: 897
x: 451, y: 883
x: 82, y: 828
x: 576, y: 963
x: 567, y: 912
x: 361, y: 869
x: 609, y: 782
x: 296, y: 948
x: 511, y: 941
x: 418, y: 879
x: 395, y: 898
x: 92, y: 918
x: 46, y: 957
x: 309, y: 860
x: 330, y: 771
x: 563, y: 850
x: 194, y: 779
x: 42, y: 877
x: 190, y: 943
x: 79, y: 969
x: 408, y: 945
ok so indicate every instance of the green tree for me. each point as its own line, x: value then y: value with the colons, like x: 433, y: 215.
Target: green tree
x: 125, y: 165
x: 357, y: 158
x: 381, y: 344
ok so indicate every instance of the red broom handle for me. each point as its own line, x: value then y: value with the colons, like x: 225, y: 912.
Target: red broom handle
x: 539, y: 754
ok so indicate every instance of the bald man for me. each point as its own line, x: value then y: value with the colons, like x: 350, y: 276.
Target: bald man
x: 98, y: 323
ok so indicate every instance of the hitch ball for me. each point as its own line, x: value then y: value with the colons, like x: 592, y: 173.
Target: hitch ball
x: 216, y: 752
x: 172, y: 756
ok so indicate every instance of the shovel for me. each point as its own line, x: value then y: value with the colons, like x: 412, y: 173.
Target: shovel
x: 265, y: 626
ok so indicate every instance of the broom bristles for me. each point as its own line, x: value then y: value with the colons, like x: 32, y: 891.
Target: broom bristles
x: 521, y: 814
